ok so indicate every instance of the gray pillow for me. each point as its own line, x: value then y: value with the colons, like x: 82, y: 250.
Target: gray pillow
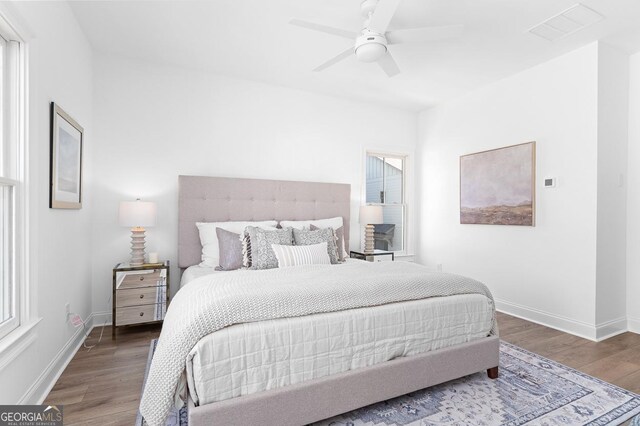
x: 261, y: 255
x: 306, y: 237
x: 230, y: 246
x: 339, y: 240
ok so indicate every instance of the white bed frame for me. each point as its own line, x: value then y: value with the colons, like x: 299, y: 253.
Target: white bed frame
x: 214, y: 199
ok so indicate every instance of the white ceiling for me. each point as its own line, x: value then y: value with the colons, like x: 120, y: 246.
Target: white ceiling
x: 252, y: 39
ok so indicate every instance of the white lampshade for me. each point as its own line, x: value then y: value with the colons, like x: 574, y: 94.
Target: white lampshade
x: 137, y: 213
x: 371, y: 215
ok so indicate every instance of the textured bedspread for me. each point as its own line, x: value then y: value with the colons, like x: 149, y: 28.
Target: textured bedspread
x: 211, y: 303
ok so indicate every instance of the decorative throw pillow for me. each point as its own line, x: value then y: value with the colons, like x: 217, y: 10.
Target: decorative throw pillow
x: 315, y: 254
x: 334, y: 222
x: 261, y: 255
x: 209, y: 238
x: 306, y: 237
x: 339, y: 239
x: 230, y: 245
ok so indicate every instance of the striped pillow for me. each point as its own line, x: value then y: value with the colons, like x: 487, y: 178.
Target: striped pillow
x: 315, y: 254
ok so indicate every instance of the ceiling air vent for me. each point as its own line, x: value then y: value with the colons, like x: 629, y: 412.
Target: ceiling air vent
x: 572, y: 20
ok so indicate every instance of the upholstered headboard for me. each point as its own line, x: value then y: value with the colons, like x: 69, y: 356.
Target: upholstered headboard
x: 218, y: 199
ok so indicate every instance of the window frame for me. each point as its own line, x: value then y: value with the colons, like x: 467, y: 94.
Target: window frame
x: 405, y: 157
x: 14, y: 173
x: 13, y: 322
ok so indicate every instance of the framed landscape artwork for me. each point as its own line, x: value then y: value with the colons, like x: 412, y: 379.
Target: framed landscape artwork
x: 497, y: 187
x: 65, y: 172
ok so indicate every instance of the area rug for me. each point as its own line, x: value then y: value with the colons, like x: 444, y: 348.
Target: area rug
x: 531, y: 390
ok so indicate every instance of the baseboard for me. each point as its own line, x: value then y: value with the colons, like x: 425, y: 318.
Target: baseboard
x: 37, y: 393
x: 568, y: 325
x: 611, y: 328
x: 101, y: 318
x: 633, y: 324
x: 595, y: 333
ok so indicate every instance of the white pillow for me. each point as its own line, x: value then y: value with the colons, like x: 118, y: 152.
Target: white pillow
x: 315, y: 254
x: 209, y: 238
x: 334, y: 222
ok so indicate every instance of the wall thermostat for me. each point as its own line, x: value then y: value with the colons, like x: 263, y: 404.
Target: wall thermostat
x: 549, y: 182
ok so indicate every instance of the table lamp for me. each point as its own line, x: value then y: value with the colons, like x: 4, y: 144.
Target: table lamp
x: 369, y: 216
x: 136, y: 215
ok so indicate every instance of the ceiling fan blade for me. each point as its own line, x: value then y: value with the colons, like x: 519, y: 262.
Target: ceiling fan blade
x: 388, y: 65
x: 382, y: 15
x: 341, y: 57
x: 419, y: 35
x: 324, y: 28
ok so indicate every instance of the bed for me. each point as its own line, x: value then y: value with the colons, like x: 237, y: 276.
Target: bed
x: 312, y: 365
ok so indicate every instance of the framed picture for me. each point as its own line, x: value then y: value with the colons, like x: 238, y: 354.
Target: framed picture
x: 65, y: 172
x: 497, y: 187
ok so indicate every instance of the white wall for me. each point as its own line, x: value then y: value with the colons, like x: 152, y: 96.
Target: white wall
x: 546, y: 273
x: 633, y: 198
x: 153, y: 123
x: 60, y: 70
x: 613, y: 102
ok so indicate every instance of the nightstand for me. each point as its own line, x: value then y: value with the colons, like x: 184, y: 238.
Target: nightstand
x: 376, y: 256
x: 140, y: 294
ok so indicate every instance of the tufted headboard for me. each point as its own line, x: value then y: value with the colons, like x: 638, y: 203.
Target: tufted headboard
x: 218, y: 199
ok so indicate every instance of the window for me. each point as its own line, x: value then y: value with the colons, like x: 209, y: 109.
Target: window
x: 11, y: 185
x: 385, y: 185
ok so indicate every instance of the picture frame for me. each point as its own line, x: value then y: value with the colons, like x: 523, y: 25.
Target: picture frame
x: 65, y: 168
x: 497, y: 186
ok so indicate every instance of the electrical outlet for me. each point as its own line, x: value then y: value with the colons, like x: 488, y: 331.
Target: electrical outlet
x: 67, y: 309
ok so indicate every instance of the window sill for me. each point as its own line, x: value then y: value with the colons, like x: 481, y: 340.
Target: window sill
x: 17, y: 342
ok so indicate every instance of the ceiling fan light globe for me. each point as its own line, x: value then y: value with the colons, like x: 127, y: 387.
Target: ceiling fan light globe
x: 370, y: 46
x: 370, y: 52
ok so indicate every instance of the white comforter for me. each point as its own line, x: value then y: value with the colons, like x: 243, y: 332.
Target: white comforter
x: 211, y: 303
x: 248, y: 358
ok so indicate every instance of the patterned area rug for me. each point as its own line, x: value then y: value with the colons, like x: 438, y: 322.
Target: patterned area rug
x: 531, y: 390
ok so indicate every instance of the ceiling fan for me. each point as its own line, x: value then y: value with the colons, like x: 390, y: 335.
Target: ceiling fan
x: 371, y: 44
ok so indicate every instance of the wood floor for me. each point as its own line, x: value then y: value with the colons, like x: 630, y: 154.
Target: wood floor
x: 103, y: 386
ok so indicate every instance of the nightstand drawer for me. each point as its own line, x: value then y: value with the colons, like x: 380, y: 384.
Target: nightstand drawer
x: 137, y: 296
x: 140, y: 314
x: 141, y: 280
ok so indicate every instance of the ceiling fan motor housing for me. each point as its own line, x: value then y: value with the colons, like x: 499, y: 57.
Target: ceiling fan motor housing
x: 370, y: 46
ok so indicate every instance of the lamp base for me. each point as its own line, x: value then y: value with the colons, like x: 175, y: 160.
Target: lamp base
x: 368, y: 239
x: 137, y: 247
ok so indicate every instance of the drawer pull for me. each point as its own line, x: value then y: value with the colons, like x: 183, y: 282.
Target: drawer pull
x: 142, y: 296
x: 141, y: 313
x: 141, y: 278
